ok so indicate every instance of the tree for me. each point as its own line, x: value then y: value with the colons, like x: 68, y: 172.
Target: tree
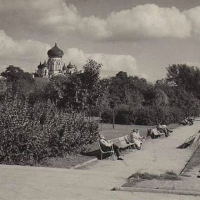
x: 185, y: 77
x: 62, y: 90
x: 127, y: 90
x: 22, y: 82
x: 3, y: 89
x: 177, y: 96
x: 81, y: 90
x: 90, y: 79
x: 14, y: 74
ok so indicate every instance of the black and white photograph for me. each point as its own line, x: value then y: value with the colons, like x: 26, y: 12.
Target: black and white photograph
x: 99, y: 99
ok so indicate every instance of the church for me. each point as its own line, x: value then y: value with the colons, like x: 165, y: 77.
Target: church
x: 54, y: 66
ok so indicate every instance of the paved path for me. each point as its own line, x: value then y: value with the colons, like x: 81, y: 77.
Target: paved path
x: 96, y: 180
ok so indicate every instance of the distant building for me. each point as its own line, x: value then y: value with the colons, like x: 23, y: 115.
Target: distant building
x: 54, y: 66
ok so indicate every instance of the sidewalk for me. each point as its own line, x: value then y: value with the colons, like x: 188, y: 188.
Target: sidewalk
x: 97, y: 179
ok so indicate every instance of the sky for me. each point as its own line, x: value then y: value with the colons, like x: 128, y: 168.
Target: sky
x: 140, y: 37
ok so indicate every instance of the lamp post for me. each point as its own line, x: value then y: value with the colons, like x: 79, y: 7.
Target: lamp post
x: 112, y: 106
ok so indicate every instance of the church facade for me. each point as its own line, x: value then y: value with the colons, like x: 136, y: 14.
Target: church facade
x: 54, y: 66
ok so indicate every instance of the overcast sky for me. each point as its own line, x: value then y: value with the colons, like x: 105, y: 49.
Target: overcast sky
x: 140, y: 37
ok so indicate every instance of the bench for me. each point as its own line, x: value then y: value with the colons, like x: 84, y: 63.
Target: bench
x: 154, y: 133
x: 123, y: 142
x: 111, y: 152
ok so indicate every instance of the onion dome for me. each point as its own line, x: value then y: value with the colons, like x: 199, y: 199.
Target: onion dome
x: 55, y: 52
x: 40, y: 66
x: 70, y: 66
x: 45, y: 64
x: 64, y: 67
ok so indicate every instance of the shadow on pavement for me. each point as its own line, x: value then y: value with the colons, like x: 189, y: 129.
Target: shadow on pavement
x: 95, y: 153
x: 186, y: 144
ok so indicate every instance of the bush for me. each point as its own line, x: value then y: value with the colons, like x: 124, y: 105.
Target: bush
x: 107, y: 116
x: 144, y: 115
x: 124, y: 115
x: 151, y: 115
x: 29, y: 134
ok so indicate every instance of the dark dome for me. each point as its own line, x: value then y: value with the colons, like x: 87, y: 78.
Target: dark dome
x: 45, y: 64
x: 55, y: 52
x: 69, y: 66
x: 64, y: 67
x: 40, y: 66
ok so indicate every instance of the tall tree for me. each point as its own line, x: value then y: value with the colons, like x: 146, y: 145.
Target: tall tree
x: 91, y: 86
x: 185, y: 77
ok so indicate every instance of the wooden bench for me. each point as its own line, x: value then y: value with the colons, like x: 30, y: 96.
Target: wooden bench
x: 123, y: 142
x: 154, y: 133
x: 111, y: 152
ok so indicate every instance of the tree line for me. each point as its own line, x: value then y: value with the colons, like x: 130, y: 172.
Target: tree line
x: 134, y: 100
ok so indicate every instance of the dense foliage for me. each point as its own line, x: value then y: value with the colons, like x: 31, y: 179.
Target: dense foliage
x: 29, y: 134
x: 167, y: 101
x: 42, y: 118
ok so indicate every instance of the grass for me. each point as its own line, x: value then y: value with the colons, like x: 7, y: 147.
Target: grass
x: 146, y: 176
x: 67, y: 161
x: 138, y: 177
x: 122, y: 130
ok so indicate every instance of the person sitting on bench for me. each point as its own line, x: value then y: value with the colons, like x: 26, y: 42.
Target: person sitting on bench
x: 163, y: 129
x: 106, y: 145
x: 135, y: 138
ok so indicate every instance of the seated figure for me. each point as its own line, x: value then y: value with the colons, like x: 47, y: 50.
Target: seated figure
x: 153, y: 133
x: 190, y: 121
x: 164, y: 129
x: 106, y: 145
x: 135, y: 138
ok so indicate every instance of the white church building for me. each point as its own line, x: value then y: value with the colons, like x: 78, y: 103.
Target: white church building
x: 54, y: 65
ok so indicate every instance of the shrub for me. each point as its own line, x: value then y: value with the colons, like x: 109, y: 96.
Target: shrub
x: 144, y: 116
x: 151, y: 115
x: 107, y: 116
x: 124, y: 115
x: 29, y: 134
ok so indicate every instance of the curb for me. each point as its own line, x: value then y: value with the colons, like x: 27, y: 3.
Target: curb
x: 84, y: 164
x: 149, y: 190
